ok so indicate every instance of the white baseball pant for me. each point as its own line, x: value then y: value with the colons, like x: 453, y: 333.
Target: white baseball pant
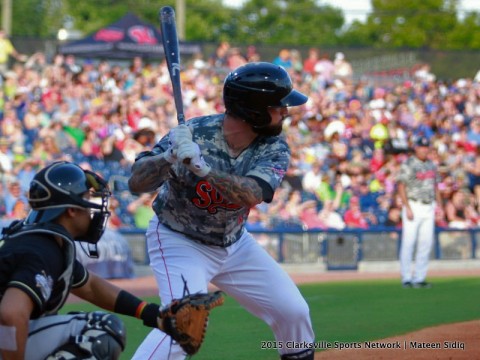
x: 243, y: 270
x: 419, y: 232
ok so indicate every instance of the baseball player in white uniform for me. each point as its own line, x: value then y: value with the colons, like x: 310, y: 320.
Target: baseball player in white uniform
x: 209, y: 173
x: 417, y: 186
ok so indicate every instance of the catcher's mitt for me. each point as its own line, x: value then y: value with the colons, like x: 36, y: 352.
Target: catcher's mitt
x: 186, y: 319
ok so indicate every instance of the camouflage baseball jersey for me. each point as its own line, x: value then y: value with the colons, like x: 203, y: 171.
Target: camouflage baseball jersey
x: 190, y: 205
x: 420, y: 179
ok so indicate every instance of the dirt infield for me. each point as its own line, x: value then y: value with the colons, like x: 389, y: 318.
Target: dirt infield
x: 454, y: 341
x: 458, y: 341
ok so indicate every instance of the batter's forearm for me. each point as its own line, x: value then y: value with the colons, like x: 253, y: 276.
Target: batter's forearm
x: 239, y: 190
x: 148, y: 174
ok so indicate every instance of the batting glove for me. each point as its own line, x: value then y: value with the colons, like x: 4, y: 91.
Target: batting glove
x: 190, y: 155
x: 178, y: 135
x: 170, y: 155
x: 198, y: 166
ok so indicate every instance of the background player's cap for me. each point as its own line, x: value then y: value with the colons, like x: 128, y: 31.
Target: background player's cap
x: 422, y: 141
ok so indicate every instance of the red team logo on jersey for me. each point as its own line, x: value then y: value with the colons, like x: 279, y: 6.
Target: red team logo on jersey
x: 210, y: 199
x: 425, y: 175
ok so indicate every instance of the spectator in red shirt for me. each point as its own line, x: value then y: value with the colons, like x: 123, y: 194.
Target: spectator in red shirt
x: 353, y: 217
x: 378, y: 160
x: 310, y: 62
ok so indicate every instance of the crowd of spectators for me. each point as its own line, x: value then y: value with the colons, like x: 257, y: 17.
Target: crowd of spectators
x: 347, y: 142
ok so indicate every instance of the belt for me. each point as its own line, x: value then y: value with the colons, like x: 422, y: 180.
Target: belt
x: 421, y: 201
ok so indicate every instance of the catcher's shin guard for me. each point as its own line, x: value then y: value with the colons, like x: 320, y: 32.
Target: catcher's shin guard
x: 308, y: 354
x: 102, y: 338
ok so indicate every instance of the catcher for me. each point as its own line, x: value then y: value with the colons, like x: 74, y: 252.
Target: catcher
x: 38, y: 270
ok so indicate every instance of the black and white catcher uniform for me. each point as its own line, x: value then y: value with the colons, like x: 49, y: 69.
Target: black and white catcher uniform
x: 32, y: 261
x: 39, y: 269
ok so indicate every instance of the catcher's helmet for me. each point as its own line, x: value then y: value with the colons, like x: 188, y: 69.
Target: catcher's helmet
x: 249, y: 90
x: 62, y: 185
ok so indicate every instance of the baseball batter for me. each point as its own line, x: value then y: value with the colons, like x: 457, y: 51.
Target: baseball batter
x: 209, y: 173
x: 418, y: 178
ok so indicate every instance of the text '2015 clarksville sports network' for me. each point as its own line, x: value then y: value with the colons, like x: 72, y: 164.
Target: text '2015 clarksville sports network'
x: 339, y: 345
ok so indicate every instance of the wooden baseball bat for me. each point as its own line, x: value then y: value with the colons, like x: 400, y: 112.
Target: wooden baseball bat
x: 172, y: 56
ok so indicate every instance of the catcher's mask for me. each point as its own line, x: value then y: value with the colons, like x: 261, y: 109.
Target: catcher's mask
x: 252, y: 88
x: 63, y: 185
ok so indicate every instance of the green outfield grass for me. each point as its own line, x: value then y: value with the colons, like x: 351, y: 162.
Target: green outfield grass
x: 341, y: 311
